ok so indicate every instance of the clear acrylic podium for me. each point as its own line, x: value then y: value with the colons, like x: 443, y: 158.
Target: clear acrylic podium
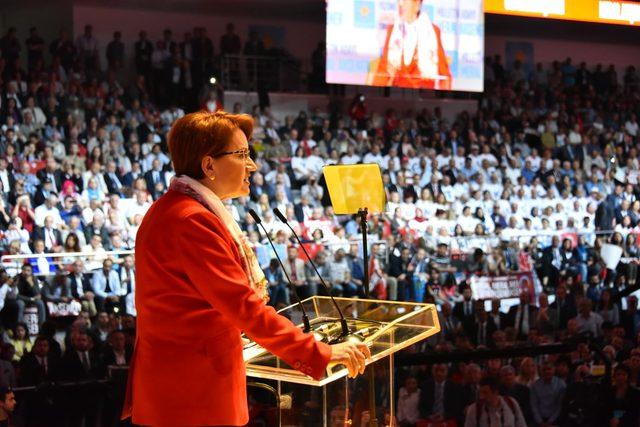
x: 386, y: 327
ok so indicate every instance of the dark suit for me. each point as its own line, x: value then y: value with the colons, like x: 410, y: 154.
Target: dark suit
x: 129, y: 177
x: 113, y: 401
x: 449, y: 326
x: 298, y: 210
x: 40, y: 233
x: 40, y: 408
x: 151, y: 181
x: 459, y: 312
x: 398, y: 267
x: 451, y: 400
x: 481, y: 336
x: 90, y: 230
x: 468, y: 394
x: 112, y: 185
x: 12, y: 179
x: 71, y: 368
x: 514, y: 320
x: 143, y: 130
x: 548, y: 269
x: 32, y: 373
x: 80, y: 403
x: 561, y: 311
x: 503, y: 320
x: 40, y: 196
x: 521, y: 394
x: 109, y: 357
x: 56, y: 176
x: 73, y: 283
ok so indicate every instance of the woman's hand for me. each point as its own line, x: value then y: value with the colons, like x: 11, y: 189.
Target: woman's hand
x: 351, y: 355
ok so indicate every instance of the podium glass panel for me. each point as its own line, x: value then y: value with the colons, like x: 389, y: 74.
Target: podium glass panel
x: 386, y: 326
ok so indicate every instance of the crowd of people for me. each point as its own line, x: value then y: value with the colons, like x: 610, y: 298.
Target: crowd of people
x: 541, y: 177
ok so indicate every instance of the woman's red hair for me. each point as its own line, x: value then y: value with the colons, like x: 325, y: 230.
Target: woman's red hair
x: 201, y: 134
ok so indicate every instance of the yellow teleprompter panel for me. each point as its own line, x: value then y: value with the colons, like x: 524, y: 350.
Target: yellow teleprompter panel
x: 353, y: 187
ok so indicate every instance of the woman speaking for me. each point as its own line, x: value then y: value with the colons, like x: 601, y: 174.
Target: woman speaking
x: 198, y: 285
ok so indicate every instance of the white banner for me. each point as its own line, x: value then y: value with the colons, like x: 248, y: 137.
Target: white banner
x: 502, y: 287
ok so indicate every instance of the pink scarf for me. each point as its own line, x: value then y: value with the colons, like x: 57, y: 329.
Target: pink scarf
x: 211, y: 201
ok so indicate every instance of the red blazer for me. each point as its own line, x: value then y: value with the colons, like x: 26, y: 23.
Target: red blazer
x: 409, y: 75
x: 193, y: 299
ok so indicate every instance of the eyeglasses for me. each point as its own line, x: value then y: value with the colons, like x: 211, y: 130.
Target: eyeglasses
x: 245, y: 154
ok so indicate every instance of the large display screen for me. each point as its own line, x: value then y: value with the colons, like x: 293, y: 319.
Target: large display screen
x: 427, y: 44
x: 604, y: 11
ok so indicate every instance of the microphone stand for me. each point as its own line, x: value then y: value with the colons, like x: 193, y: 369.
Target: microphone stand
x: 343, y: 322
x: 305, y: 317
x: 363, y: 213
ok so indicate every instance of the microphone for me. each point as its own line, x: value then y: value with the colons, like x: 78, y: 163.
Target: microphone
x: 305, y: 318
x: 343, y: 321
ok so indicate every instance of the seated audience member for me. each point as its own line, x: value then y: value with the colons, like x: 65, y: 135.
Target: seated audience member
x: 471, y: 385
x: 622, y: 399
x: 399, y: 270
x: 315, y: 287
x: 440, y: 397
x: 101, y: 329
x: 278, y: 287
x: 491, y: 409
x: 57, y: 289
x: 128, y: 284
x: 106, y: 287
x: 294, y: 266
x: 7, y: 406
x: 511, y: 388
x: 587, y: 320
x: 81, y: 288
x: 116, y: 353
x: 546, y: 396
x: 21, y: 341
x: 408, y: 400
x: 340, y: 276
x: 29, y: 293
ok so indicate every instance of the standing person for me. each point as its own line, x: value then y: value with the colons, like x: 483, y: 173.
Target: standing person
x: 143, y: 49
x: 115, y: 52
x: 199, y: 285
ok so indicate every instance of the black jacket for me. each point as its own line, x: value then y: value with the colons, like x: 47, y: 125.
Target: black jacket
x: 451, y: 399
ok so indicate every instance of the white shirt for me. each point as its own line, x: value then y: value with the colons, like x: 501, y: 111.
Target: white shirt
x: 314, y: 164
x: 408, y: 410
x: 4, y: 177
x: 42, y: 211
x: 4, y: 289
x: 350, y: 160
x: 373, y: 158
x: 502, y: 416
